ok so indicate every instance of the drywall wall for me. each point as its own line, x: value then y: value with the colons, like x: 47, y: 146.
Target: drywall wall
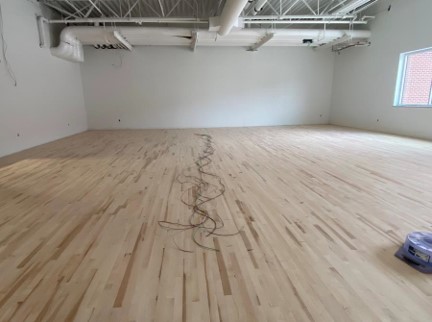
x: 173, y: 87
x: 47, y: 103
x: 365, y: 78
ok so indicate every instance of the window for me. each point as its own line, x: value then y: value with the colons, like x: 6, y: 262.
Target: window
x: 414, y: 84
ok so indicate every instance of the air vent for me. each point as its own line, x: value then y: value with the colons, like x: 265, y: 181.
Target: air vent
x: 105, y: 46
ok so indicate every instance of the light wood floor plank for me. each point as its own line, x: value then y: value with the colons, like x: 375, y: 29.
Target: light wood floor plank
x: 321, y: 210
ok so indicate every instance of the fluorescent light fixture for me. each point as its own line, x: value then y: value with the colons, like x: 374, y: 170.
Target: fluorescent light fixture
x: 344, y: 38
x: 261, y: 42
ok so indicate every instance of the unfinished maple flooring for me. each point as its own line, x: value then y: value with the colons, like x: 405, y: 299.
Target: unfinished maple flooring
x: 321, y: 212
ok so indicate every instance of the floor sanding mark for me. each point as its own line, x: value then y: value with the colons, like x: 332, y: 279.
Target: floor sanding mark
x: 45, y: 308
x: 300, y: 300
x: 300, y: 227
x: 343, y: 229
x: 30, y: 256
x: 293, y: 237
x: 162, y: 260
x: 377, y: 229
x: 246, y: 240
x: 245, y: 212
x: 323, y: 232
x: 346, y: 242
x: 184, y: 315
x: 74, y: 311
x: 117, y: 210
x: 249, y: 167
x: 355, y: 187
x: 20, y: 281
x: 68, y: 239
x: 209, y: 303
x: 125, y: 281
x: 222, y: 269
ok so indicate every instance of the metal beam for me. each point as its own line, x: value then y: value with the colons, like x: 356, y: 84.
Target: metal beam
x: 271, y: 7
x: 261, y: 42
x: 309, y: 7
x: 290, y: 7
x: 94, y: 5
x: 110, y: 9
x: 73, y: 6
x: 161, y: 8
x: 61, y: 10
x: 308, y: 22
x: 131, y: 8
x: 131, y: 20
x: 151, y: 7
x: 247, y: 20
x: 172, y: 9
x: 298, y: 17
x: 89, y: 11
x: 80, y: 11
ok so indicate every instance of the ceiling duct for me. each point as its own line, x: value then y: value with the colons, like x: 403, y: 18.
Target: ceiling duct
x: 230, y: 15
x: 74, y: 38
x: 70, y: 48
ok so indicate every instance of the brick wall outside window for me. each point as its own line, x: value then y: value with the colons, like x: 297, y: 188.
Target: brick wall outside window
x: 418, y: 79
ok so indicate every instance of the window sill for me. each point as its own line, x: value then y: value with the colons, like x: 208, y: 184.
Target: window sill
x: 412, y: 106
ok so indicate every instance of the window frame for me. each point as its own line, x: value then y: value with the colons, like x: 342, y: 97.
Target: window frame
x: 400, y: 81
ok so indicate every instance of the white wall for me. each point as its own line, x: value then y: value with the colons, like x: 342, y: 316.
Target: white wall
x: 159, y: 87
x: 365, y: 78
x: 49, y: 93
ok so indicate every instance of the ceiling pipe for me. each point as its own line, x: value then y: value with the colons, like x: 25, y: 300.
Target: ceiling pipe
x: 130, y: 20
x: 307, y: 22
x: 298, y: 17
x: 230, y: 15
x: 289, y: 19
x: 258, y: 7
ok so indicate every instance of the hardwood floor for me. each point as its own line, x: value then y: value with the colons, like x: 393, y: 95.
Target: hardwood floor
x: 321, y: 211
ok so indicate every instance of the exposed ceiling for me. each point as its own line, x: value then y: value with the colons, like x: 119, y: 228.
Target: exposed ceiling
x: 203, y: 9
x: 122, y: 24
